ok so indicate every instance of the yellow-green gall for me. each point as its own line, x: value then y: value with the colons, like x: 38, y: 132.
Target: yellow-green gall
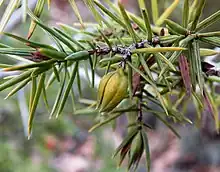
x: 112, y: 90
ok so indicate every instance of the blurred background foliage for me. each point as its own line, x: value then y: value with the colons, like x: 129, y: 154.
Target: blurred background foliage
x: 64, y: 145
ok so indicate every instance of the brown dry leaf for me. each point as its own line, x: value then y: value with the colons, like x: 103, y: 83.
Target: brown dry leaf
x: 184, y: 69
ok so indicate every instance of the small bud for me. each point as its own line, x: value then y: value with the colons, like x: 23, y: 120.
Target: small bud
x: 53, y: 54
x: 136, y: 151
x: 76, y: 56
x: 112, y: 90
